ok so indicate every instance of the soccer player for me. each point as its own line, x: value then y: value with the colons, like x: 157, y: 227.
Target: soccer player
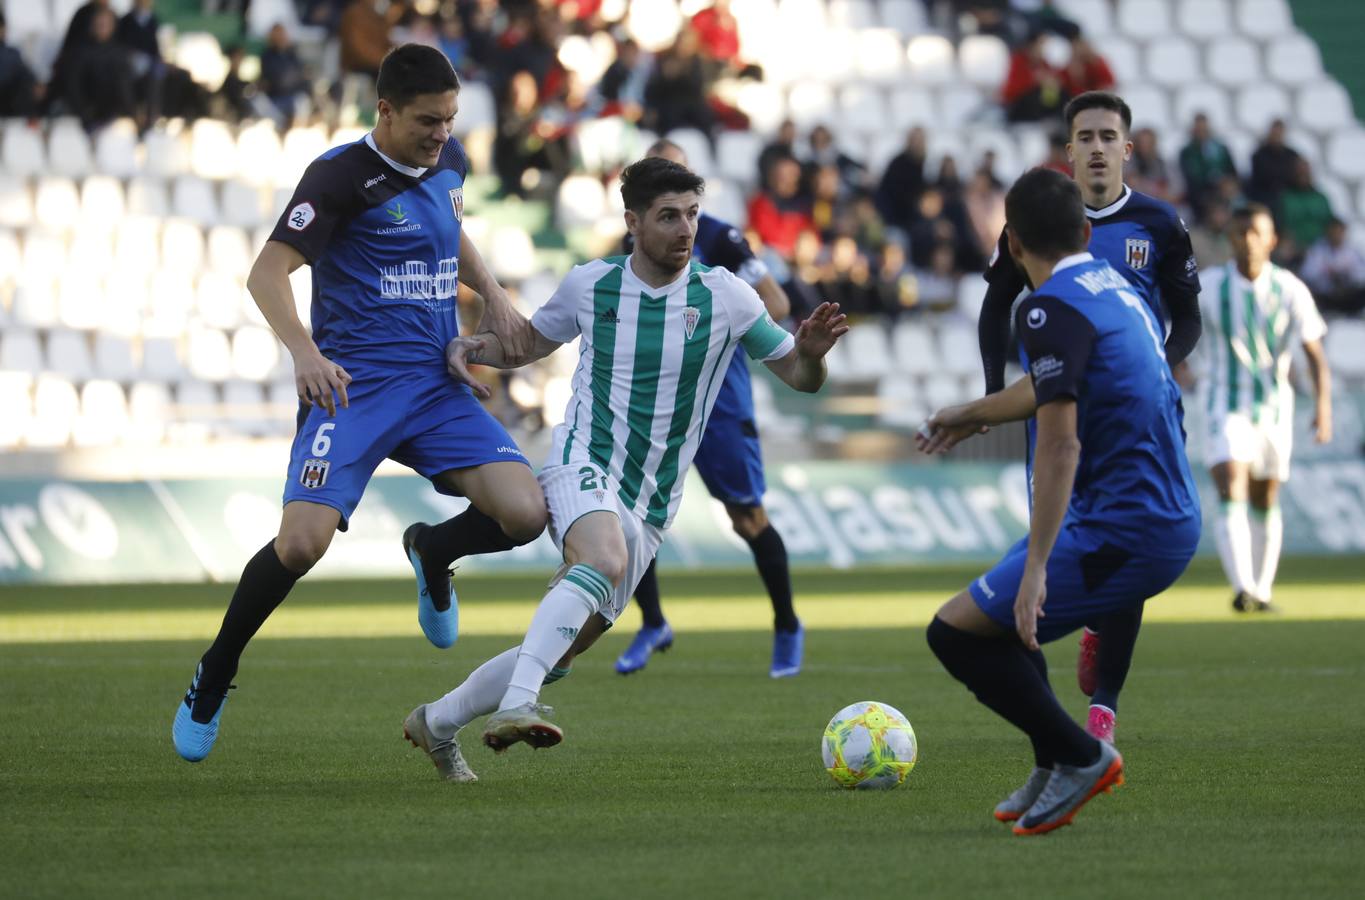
x: 1144, y: 239
x: 657, y: 330
x: 730, y: 462
x: 1256, y: 311
x: 379, y: 222
x: 1115, y: 516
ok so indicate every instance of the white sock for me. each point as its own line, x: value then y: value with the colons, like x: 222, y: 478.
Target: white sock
x: 1232, y: 530
x: 1256, y: 522
x: 557, y: 621
x: 1272, y: 526
x: 478, y: 695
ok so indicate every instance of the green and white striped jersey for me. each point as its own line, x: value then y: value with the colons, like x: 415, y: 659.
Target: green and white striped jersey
x: 1250, y: 329
x: 649, y: 366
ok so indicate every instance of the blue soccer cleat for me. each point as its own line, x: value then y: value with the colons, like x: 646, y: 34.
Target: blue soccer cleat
x: 787, y: 649
x: 647, y: 641
x: 194, y: 739
x: 437, y: 609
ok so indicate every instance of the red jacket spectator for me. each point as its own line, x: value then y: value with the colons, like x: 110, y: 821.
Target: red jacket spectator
x: 719, y: 31
x: 1087, y: 70
x: 778, y: 213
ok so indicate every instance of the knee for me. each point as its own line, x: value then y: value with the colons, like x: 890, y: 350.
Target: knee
x: 611, y: 564
x: 522, y: 518
x: 748, y: 521
x: 299, y: 551
x: 936, y: 635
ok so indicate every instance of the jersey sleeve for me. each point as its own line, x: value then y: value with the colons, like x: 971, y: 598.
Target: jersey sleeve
x: 322, y: 199
x: 1057, y: 340
x: 1311, y: 326
x: 762, y: 338
x: 558, y: 318
x: 1004, y: 282
x: 731, y: 251
x: 1178, y: 280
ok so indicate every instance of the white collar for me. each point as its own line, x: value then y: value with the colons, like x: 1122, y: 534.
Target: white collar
x: 630, y: 267
x: 413, y: 171
x: 1111, y: 208
x: 1263, y: 278
x: 1074, y: 259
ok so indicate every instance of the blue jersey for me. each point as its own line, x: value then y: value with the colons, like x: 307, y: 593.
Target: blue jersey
x: 1086, y: 334
x: 384, y: 243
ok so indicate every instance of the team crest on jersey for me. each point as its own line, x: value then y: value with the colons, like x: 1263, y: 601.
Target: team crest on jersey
x: 1137, y: 251
x: 691, y: 316
x: 314, y: 473
x: 457, y: 203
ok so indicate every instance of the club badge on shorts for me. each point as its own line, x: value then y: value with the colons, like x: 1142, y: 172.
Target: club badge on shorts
x: 1137, y: 251
x: 691, y: 316
x: 457, y: 203
x: 314, y: 473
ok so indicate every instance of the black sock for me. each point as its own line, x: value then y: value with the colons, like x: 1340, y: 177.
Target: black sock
x: 1042, y: 756
x: 1118, y: 633
x: 647, y: 596
x: 470, y: 533
x: 264, y: 584
x: 1001, y: 675
x: 770, y: 555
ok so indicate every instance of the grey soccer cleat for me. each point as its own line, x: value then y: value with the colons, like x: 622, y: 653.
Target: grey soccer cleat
x: 521, y: 723
x: 446, y: 755
x: 1018, y: 803
x: 1068, y: 790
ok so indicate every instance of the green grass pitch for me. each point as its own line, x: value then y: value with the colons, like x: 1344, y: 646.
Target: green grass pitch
x: 699, y: 777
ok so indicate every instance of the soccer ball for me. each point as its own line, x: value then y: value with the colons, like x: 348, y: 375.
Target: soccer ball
x: 869, y: 745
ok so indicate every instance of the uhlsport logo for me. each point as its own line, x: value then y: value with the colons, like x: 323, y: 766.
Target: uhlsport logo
x: 1137, y: 251
x: 314, y: 474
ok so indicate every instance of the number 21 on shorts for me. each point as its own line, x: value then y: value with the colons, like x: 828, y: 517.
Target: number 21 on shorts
x: 314, y: 473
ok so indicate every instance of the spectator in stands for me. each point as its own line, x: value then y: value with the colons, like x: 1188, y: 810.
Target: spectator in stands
x: 1204, y: 162
x: 283, y: 84
x: 1303, y: 214
x: 938, y: 221
x: 453, y: 42
x: 77, y: 37
x: 903, y: 181
x: 718, y: 37
x: 525, y: 142
x: 1086, y: 70
x: 824, y: 152
x: 846, y: 278
x: 894, y: 283
x: 783, y: 146
x: 364, y: 35
x: 323, y: 13
x: 1335, y: 270
x: 1033, y: 89
x: 1209, y: 238
x: 235, y: 99
x: 677, y: 90
x: 100, y: 82
x: 949, y: 181
x: 984, y: 200
x: 778, y: 212
x: 531, y: 44
x: 622, y: 87
x: 19, y: 90
x: 1056, y: 159
x: 830, y: 207
x: 987, y: 167
x: 1272, y: 167
x: 137, y: 31
x: 1147, y: 171
x: 936, y: 283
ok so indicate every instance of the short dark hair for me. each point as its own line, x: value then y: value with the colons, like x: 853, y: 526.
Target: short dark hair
x: 413, y: 69
x: 1243, y: 213
x: 1098, y: 100
x: 1045, y: 211
x: 645, y: 181
x: 663, y: 145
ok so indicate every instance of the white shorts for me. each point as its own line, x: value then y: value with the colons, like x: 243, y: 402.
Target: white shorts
x: 1264, y: 448
x: 572, y: 492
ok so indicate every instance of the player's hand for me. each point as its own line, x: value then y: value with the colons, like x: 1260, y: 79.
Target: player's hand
x: 320, y: 381
x: 818, y: 333
x: 1322, y: 425
x: 946, y: 429
x: 461, y: 353
x: 1028, y: 605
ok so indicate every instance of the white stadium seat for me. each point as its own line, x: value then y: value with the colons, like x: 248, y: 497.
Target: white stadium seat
x: 197, y: 401
x: 103, y: 416
x: 984, y: 61
x: 125, y: 294
x: 80, y: 299
x: 1096, y: 17
x: 581, y: 201
x: 92, y: 251
x: 213, y: 149
x: 301, y: 147
x: 16, y: 206
x: 55, y: 405
x: 906, y: 17
x: 1233, y: 62
x: 16, y: 399
x: 940, y: 391
x: 879, y: 55
x: 810, y: 103
x: 68, y: 149
x: 1203, y: 98
x: 1124, y: 59
x: 149, y: 409
x: 913, y: 347
x: 255, y: 353
x: 68, y: 353
x: 116, y: 149
x: 35, y: 302
x: 147, y: 196
x: 853, y: 14
x: 1346, y: 154
x: 1324, y: 106
x: 477, y: 108
x: 1344, y: 340
x: 241, y: 204
x: 511, y: 253
x: 56, y: 203
x: 653, y: 23
x: 114, y: 357
x: 1172, y: 62
x: 10, y: 258
x: 171, y: 295
x: 930, y: 60
x: 217, y: 301
x: 1293, y: 59
x: 837, y: 49
x: 182, y: 246
x: 244, y: 408
x: 1264, y: 19
x: 44, y: 253
x: 21, y: 150
x: 209, y: 353
x: 911, y: 106
x: 869, y: 351
x: 764, y: 104
x: 199, y: 53
x: 24, y: 19
x: 193, y: 198
x: 898, y: 402
x: 1144, y: 19
x: 102, y: 203
x: 696, y: 147
x: 20, y: 351
x: 1261, y: 104
x: 165, y: 151
x: 1204, y: 18
x: 737, y: 156
x: 229, y: 251
x: 137, y: 244
x: 958, y: 348
x: 258, y: 152
x: 862, y: 109
x: 161, y: 359
x: 960, y: 104
x: 1151, y: 107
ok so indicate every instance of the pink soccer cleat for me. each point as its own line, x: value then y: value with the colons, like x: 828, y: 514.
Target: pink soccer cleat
x: 1086, y: 672
x: 1100, y: 724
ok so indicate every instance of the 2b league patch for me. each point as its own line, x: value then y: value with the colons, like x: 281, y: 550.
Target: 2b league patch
x: 301, y: 216
x: 1137, y: 251
x: 314, y: 473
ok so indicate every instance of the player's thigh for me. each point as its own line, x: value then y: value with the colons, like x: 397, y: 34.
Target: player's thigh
x: 306, y: 531
x: 963, y: 613
x: 1230, y: 479
x: 449, y: 434
x: 596, y: 539
x: 506, y: 491
x: 1263, y: 492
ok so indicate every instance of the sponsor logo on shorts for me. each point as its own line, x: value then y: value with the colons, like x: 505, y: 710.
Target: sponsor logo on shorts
x: 314, y: 474
x: 985, y: 588
x: 301, y: 216
x: 1045, y: 367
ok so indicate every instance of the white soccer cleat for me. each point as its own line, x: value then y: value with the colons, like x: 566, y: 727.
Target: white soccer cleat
x: 521, y: 723
x: 1024, y: 796
x: 446, y: 755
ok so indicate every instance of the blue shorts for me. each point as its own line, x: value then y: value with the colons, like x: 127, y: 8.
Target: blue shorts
x: 730, y: 459
x: 1087, y: 576
x: 420, y: 419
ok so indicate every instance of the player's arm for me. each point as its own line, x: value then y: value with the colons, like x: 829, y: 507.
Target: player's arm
x: 500, y: 324
x: 316, y: 378
x: 1004, y: 282
x: 488, y: 349
x: 1322, y: 390
x: 732, y: 251
x: 952, y: 425
x: 1178, y: 280
x: 1056, y: 454
x: 775, y: 300
x: 803, y: 366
